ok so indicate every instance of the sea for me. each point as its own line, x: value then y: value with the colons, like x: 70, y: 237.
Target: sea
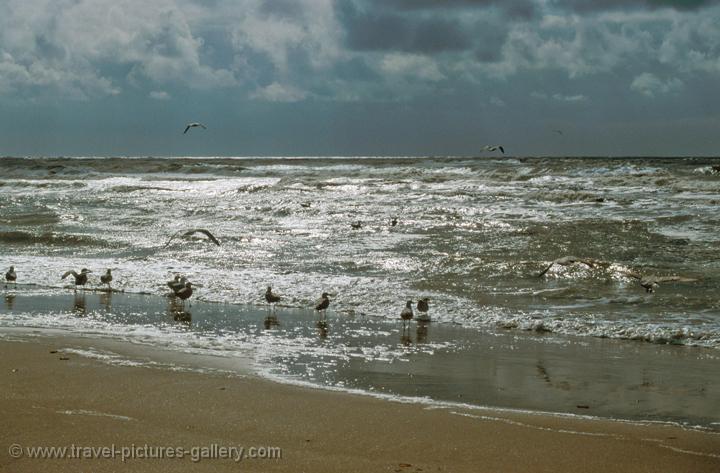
x: 472, y: 234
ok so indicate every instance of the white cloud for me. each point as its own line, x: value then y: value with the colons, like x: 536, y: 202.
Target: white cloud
x: 279, y: 93
x: 559, y: 97
x: 411, y: 65
x: 570, y: 98
x: 88, y: 48
x: 159, y: 95
x: 650, y: 85
x: 65, y: 45
x: 497, y: 101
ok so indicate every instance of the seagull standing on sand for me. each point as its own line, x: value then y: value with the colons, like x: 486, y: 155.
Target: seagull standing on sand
x: 651, y: 282
x: 185, y: 292
x: 11, y: 276
x: 494, y: 148
x: 323, y: 303
x: 423, y: 307
x: 407, y: 313
x: 193, y: 125
x: 80, y: 278
x: 271, y: 298
x: 106, y: 278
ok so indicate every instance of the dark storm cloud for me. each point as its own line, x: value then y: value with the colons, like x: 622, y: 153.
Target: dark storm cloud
x: 377, y: 30
x: 514, y: 8
x: 282, y: 8
x: 595, y: 5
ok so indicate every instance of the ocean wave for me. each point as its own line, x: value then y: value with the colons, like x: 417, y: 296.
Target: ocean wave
x: 16, y: 237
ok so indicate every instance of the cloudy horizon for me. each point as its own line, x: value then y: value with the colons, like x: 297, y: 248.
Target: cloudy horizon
x: 359, y: 77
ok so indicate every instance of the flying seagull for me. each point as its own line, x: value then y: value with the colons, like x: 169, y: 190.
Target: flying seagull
x: 651, y: 282
x: 80, y: 278
x: 494, y: 148
x: 193, y: 125
x: 190, y: 232
x: 559, y: 132
x: 568, y: 260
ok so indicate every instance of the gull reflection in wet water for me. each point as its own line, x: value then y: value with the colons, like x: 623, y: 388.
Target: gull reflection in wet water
x: 9, y: 301
x: 177, y: 311
x: 79, y: 304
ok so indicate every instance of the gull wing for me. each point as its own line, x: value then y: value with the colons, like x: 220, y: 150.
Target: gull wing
x: 632, y: 274
x: 673, y: 278
x: 204, y: 232
x: 190, y: 232
x: 186, y: 129
x: 68, y: 273
x: 547, y: 268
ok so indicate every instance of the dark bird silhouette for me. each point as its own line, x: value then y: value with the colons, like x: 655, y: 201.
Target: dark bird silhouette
x: 651, y: 282
x: 106, y: 278
x: 185, y: 292
x: 407, y: 313
x: 177, y: 283
x: 193, y: 125
x: 305, y: 205
x: 494, y: 148
x: 11, y: 276
x: 270, y: 297
x: 323, y: 303
x: 80, y: 278
x: 423, y: 307
x: 568, y: 260
x: 559, y: 132
x: 393, y: 222
x: 356, y: 225
x: 191, y: 232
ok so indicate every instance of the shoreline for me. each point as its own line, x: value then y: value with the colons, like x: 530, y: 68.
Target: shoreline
x: 436, y: 365
x: 56, y: 399
x: 121, y: 353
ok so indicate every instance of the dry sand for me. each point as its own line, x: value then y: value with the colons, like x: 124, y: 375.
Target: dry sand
x: 48, y: 400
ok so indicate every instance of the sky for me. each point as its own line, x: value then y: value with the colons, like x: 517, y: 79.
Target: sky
x: 359, y: 77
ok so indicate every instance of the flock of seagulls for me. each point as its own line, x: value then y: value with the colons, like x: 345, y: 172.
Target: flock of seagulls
x: 183, y: 289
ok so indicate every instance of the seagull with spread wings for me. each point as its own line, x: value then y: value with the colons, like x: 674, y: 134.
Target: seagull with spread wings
x: 650, y: 282
x: 193, y: 125
x: 494, y: 148
x: 191, y: 232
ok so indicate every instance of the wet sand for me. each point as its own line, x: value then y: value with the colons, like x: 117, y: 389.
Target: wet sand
x: 512, y: 369
x: 61, y: 399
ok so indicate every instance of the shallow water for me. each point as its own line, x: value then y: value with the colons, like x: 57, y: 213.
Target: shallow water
x: 443, y: 363
x: 472, y: 234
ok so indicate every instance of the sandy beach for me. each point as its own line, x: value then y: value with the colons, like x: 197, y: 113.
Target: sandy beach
x: 53, y: 397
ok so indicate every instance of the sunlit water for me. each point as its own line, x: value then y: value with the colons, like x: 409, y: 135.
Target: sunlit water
x: 472, y: 234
